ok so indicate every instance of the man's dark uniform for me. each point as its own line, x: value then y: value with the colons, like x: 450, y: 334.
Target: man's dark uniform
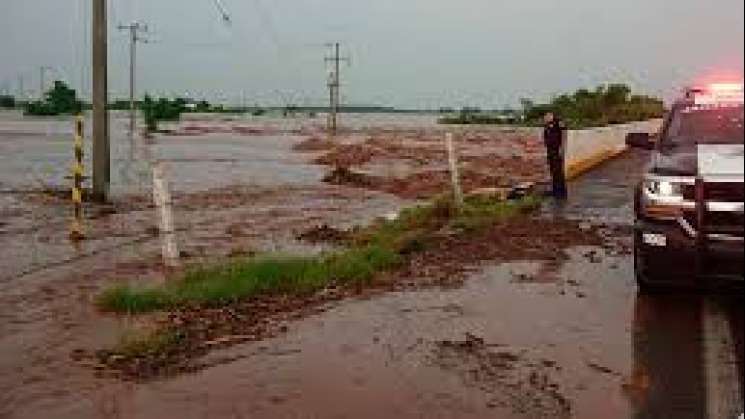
x: 553, y: 137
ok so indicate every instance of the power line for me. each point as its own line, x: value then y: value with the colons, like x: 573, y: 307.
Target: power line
x: 223, y: 12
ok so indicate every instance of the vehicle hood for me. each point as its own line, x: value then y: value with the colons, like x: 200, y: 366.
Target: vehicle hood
x: 708, y: 160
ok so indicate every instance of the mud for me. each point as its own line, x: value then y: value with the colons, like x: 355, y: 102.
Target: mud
x: 444, y: 263
x: 573, y: 316
x: 314, y: 144
x: 324, y: 234
x: 513, y: 378
x: 413, y: 165
x: 522, y: 239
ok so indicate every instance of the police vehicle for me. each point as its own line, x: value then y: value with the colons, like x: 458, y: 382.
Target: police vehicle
x: 689, y: 206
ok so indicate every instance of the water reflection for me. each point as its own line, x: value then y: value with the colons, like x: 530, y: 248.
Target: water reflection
x: 687, y: 357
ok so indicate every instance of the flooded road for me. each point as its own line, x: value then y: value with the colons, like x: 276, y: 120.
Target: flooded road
x: 517, y: 340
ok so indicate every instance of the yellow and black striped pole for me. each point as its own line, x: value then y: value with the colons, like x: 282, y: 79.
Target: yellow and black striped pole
x: 76, y: 230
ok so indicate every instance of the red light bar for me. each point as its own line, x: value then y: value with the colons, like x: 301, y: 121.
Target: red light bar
x: 726, y: 87
x: 719, y: 93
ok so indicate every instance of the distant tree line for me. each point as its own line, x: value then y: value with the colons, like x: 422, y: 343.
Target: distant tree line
x: 605, y: 105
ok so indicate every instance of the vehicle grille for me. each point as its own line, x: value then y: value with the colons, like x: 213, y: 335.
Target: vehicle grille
x: 720, y: 192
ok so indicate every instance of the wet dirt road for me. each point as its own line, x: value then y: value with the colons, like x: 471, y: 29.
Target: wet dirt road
x: 516, y: 341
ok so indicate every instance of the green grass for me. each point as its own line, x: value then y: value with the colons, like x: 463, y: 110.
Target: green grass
x: 225, y: 284
x: 379, y: 247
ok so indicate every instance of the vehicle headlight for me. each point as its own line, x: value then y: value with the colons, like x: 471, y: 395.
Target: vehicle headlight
x: 664, y: 189
x: 663, y: 197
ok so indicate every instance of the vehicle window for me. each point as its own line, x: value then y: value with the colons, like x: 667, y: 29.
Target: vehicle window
x: 706, y: 125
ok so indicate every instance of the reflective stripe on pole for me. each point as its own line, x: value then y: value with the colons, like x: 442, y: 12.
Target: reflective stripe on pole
x: 76, y: 229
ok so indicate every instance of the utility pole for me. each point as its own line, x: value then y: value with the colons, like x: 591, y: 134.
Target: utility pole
x: 334, y: 84
x: 20, y: 87
x: 101, y: 147
x: 42, y: 80
x: 134, y: 28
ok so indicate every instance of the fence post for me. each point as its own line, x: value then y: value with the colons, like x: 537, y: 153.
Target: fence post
x: 76, y: 229
x: 454, y: 175
x: 163, y: 205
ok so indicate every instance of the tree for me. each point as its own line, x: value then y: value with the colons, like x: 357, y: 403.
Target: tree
x: 161, y: 110
x: 606, y: 104
x: 60, y: 99
x: 7, y: 101
x: 616, y: 94
x: 63, y: 99
x: 203, y: 106
x: 148, y: 111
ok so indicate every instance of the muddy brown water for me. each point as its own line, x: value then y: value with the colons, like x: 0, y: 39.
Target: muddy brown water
x: 576, y: 342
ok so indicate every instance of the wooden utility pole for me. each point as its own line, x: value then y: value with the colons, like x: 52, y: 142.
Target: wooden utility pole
x: 134, y: 28
x: 101, y: 148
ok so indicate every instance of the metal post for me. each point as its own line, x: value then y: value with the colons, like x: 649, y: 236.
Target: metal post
x: 101, y: 147
x: 76, y: 230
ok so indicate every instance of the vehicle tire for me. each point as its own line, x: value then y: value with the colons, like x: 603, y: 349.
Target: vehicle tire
x: 645, y: 283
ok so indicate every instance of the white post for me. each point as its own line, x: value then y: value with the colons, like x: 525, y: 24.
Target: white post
x: 454, y: 175
x: 163, y: 205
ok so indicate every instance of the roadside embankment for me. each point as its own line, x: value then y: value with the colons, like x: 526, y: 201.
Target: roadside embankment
x: 588, y: 148
x: 370, y: 252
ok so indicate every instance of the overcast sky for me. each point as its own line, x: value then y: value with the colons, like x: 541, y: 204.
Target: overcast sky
x: 408, y: 53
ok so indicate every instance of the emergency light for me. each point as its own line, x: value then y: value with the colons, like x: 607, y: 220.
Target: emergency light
x: 719, y: 93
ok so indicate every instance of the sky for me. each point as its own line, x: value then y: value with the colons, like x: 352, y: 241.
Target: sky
x: 404, y: 53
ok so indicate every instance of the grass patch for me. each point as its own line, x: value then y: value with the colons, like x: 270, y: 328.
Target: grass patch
x: 225, y: 284
x: 378, y: 247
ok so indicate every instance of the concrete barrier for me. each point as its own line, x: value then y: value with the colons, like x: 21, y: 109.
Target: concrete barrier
x: 588, y: 148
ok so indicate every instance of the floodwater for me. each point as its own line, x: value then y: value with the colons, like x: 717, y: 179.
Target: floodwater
x: 212, y: 178
x: 580, y: 344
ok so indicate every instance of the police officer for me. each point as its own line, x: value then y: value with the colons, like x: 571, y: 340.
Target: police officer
x: 554, y: 131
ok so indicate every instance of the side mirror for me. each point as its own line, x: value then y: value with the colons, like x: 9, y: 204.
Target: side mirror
x: 639, y: 140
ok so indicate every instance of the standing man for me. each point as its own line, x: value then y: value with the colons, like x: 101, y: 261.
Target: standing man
x: 554, y: 133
